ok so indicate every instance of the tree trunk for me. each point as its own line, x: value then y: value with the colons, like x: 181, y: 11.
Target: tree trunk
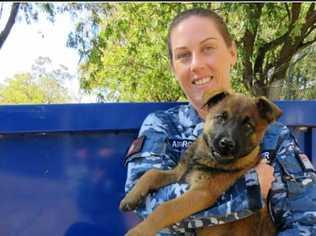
x: 6, y: 31
x: 275, y: 90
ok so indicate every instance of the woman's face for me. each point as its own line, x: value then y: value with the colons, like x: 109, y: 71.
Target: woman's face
x: 201, y: 59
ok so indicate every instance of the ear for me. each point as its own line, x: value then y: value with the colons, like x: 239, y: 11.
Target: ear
x: 267, y: 109
x: 171, y: 68
x: 211, y: 98
x: 233, y: 53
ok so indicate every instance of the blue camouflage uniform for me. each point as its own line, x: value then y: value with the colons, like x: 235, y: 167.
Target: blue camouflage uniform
x: 292, y: 197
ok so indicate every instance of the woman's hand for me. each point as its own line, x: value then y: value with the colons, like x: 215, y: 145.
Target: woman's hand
x: 265, y: 174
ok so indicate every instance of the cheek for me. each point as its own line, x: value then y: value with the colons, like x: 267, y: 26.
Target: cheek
x: 208, y: 125
x: 181, y: 74
x: 221, y: 69
x: 256, y: 137
x: 217, y: 60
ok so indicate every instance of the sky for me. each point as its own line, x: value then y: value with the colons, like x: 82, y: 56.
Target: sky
x: 26, y: 42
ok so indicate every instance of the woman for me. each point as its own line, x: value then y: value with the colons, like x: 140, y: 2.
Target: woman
x: 202, y: 54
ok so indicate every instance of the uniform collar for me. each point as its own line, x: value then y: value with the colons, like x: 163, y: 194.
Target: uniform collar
x: 194, y: 114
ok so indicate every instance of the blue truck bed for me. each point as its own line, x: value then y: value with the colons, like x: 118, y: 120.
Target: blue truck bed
x: 61, y: 166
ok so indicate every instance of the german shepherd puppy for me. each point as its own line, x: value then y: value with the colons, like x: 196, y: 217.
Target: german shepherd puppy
x: 226, y: 149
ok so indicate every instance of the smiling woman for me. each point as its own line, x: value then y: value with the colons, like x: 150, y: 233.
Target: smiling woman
x: 201, y: 58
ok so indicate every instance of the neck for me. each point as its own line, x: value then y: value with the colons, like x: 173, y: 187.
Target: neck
x: 201, y: 112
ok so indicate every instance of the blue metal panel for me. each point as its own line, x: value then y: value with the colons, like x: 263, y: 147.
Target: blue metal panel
x: 313, y: 147
x: 63, y: 184
x: 109, y: 116
x: 61, y: 166
x: 75, y: 117
x: 298, y: 113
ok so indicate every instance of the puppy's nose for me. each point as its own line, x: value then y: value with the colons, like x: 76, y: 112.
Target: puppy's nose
x: 226, y: 144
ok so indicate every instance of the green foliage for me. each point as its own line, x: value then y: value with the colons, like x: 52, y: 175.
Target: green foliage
x: 128, y: 60
x: 130, y: 56
x: 300, y: 82
x: 40, y: 86
x: 124, y: 55
x: 21, y: 90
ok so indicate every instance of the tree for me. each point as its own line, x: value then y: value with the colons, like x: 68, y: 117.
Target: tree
x: 10, y: 22
x: 266, y: 50
x: 40, y: 86
x: 32, y: 11
x: 300, y: 82
x: 21, y: 89
x: 128, y: 59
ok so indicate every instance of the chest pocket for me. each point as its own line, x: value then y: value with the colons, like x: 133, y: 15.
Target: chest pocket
x: 176, y: 146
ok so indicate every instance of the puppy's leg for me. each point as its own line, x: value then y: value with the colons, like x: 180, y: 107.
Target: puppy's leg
x: 203, y: 193
x: 151, y: 180
x: 172, y: 211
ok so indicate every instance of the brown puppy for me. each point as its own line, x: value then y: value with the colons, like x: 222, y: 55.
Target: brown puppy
x: 227, y: 148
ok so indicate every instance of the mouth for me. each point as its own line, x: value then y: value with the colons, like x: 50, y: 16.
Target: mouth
x: 222, y: 159
x: 202, y: 80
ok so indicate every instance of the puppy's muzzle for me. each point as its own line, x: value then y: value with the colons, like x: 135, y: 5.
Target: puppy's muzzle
x: 225, y: 146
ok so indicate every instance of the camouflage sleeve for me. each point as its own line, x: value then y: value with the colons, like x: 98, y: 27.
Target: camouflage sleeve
x: 292, y: 197
x: 240, y: 201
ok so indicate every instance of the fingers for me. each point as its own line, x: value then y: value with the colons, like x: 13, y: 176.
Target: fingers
x: 265, y: 175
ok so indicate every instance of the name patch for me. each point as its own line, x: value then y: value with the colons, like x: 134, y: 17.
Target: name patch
x: 180, y: 144
x: 307, y: 165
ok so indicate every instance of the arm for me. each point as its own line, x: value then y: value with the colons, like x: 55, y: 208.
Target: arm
x: 235, y: 203
x: 293, y: 192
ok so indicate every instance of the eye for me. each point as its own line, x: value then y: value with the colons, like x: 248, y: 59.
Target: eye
x: 183, y: 55
x: 222, y: 116
x: 208, y: 49
x: 248, y: 124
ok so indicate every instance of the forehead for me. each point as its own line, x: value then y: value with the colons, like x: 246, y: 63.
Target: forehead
x: 194, y: 29
x: 240, y: 106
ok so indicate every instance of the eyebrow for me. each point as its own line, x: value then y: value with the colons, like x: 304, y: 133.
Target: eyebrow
x: 209, y: 38
x: 203, y: 41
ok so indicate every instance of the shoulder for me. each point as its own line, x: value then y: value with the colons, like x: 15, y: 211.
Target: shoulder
x: 276, y: 134
x: 276, y: 130
x: 161, y: 120
x: 277, y: 127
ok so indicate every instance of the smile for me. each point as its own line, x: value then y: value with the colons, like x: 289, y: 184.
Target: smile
x: 203, y: 80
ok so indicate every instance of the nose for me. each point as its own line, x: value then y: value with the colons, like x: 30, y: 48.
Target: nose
x: 197, y: 63
x: 226, y: 145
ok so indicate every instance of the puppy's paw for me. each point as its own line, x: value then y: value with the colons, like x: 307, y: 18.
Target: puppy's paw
x: 127, y: 206
x: 139, y: 232
x: 129, y: 203
x: 134, y: 233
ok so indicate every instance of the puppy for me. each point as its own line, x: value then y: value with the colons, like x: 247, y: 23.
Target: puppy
x: 227, y: 148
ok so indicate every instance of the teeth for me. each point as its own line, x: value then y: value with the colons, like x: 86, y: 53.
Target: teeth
x: 203, y: 81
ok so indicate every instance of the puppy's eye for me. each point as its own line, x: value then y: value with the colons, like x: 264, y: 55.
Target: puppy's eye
x: 248, y: 124
x: 221, y: 116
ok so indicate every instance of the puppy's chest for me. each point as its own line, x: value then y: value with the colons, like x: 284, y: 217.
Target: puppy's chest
x: 196, y: 177
x: 199, y: 170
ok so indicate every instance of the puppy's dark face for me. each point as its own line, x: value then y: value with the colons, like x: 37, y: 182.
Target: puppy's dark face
x: 236, y: 124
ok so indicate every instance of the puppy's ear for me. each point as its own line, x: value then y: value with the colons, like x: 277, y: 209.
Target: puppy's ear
x: 211, y: 98
x: 267, y: 109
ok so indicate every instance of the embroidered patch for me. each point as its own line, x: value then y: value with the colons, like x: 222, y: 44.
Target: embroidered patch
x: 180, y: 144
x: 266, y: 155
x: 136, y: 146
x: 269, y: 156
x: 307, y: 165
